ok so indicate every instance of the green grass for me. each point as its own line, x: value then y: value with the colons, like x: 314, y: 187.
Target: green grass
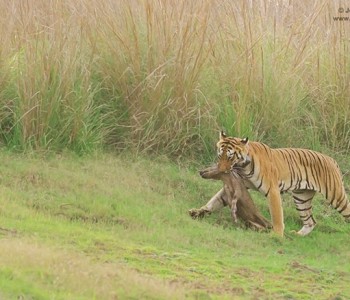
x: 106, y: 227
x: 162, y: 79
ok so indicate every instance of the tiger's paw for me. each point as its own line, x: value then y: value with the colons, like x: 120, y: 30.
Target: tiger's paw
x: 305, y: 230
x: 278, y: 230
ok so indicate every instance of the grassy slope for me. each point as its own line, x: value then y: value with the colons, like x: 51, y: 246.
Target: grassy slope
x: 117, y: 228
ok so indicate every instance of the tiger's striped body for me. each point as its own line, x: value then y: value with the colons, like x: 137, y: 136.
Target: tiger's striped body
x: 272, y: 171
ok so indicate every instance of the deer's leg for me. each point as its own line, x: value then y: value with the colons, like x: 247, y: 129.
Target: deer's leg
x: 218, y: 201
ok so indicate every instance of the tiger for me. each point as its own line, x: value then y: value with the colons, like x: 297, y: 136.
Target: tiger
x: 272, y: 171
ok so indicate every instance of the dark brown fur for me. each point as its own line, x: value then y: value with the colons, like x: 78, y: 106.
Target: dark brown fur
x: 236, y: 196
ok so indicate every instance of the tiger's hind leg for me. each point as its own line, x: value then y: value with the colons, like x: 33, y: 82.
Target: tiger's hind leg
x: 302, y: 200
x: 342, y: 205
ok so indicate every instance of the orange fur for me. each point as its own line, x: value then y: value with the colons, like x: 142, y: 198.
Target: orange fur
x: 271, y: 171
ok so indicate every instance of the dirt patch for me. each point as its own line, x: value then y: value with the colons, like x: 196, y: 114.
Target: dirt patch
x: 298, y: 266
x: 78, y: 274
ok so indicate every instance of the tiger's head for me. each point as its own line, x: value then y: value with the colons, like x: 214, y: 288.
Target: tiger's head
x: 232, y: 152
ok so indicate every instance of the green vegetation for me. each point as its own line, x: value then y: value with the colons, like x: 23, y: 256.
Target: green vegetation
x: 160, y: 77
x: 110, y: 227
x: 155, y: 81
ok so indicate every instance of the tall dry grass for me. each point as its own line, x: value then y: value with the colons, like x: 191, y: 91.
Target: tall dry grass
x: 164, y: 76
x: 291, y: 74
x: 47, y: 76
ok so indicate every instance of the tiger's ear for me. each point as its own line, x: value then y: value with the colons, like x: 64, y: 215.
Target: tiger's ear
x: 244, y: 141
x: 222, y: 134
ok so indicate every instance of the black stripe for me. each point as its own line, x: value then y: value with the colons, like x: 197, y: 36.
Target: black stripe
x: 344, y: 199
x: 339, y: 202
x: 301, y: 200
x: 293, y: 166
x: 252, y: 170
x: 309, y: 218
x: 304, y: 159
x: 322, y: 171
x: 266, y: 148
x: 309, y: 184
x: 314, y: 170
x: 344, y: 207
x: 283, y: 153
x: 281, y: 186
x: 261, y: 182
x: 304, y: 209
x: 314, y: 174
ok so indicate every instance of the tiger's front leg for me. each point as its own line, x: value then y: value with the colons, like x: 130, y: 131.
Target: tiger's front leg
x: 218, y: 201
x: 276, y: 210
